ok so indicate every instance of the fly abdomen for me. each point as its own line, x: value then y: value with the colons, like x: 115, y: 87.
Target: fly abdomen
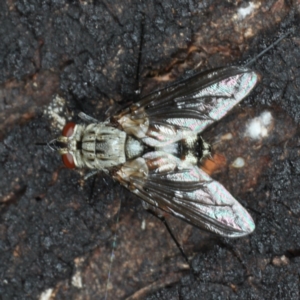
x: 194, y: 149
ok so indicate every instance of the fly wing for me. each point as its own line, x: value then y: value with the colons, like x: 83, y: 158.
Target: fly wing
x: 187, y: 192
x: 166, y: 116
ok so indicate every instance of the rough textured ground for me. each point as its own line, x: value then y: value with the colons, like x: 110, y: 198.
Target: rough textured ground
x: 56, y: 231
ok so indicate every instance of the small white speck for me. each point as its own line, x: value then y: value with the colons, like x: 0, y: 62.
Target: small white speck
x: 259, y: 127
x: 239, y: 162
x: 245, y: 11
x: 109, y: 286
x: 227, y: 137
x: 143, y: 225
x: 53, y: 111
x: 280, y: 261
x: 46, y: 294
x: 266, y: 118
x: 77, y: 280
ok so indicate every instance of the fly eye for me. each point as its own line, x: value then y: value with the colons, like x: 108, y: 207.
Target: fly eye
x: 68, y: 129
x: 68, y: 160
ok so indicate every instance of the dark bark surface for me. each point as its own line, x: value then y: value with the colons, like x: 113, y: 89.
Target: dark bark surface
x: 57, y: 231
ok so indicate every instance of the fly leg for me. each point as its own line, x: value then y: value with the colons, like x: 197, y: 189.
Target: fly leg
x: 159, y: 214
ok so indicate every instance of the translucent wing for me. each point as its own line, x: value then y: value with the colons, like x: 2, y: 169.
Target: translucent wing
x: 187, y: 192
x: 166, y: 116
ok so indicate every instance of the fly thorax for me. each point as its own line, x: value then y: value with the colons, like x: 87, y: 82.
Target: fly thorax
x: 133, y: 148
x: 103, y: 146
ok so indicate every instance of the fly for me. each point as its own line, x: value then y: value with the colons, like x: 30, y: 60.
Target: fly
x: 154, y: 149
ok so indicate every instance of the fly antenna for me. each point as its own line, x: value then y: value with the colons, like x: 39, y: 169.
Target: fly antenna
x: 270, y: 47
x: 50, y: 144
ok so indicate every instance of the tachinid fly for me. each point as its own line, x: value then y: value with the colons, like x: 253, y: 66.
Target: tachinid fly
x: 154, y: 148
